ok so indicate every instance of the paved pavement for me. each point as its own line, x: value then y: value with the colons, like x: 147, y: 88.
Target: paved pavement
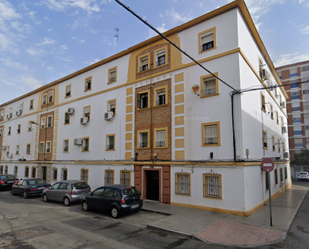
x: 232, y: 230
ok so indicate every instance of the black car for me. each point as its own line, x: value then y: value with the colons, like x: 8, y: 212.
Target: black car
x: 116, y: 199
x: 29, y: 187
x: 6, y: 181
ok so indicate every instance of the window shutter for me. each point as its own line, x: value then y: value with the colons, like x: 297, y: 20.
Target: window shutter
x: 208, y: 37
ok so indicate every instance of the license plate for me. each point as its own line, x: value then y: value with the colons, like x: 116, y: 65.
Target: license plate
x: 134, y: 206
x: 41, y: 187
x: 10, y: 181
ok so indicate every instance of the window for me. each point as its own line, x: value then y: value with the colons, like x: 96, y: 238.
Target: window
x: 160, y: 96
x: 277, y: 118
x: 182, y: 183
x: 68, y: 91
x: 125, y: 177
x: 294, y: 84
x: 276, y: 176
x: 85, y: 144
x: 293, y: 72
x: 143, y: 100
x: 84, y: 175
x: 209, y: 86
x: 16, y: 171
x: 29, y: 126
x: 88, y: 83
x: 9, y: 131
x: 18, y: 128
x: 273, y: 143
x: 265, y: 140
x: 31, y: 104
x: 17, y: 149
x: 278, y: 145
x: 112, y: 75
x: 285, y: 173
x: 41, y: 148
x: 295, y: 106
x: 271, y: 111
x: 305, y: 68
x: 26, y: 171
x: 143, y: 63
x: 55, y: 174
x: 6, y: 170
x: 44, y: 99
x: 211, y: 134
x: 109, y: 177
x: 66, y: 118
x: 50, y: 97
x: 110, y: 142
x: 297, y: 130
x: 263, y: 103
x: 48, y: 147
x: 212, y: 185
x: 49, y: 121
x: 64, y: 174
x: 1, y: 114
x: 281, y: 175
x: 160, y: 57
x: 142, y: 139
x: 207, y: 40
x: 0, y: 132
x: 86, y: 112
x: 66, y: 145
x: 160, y: 140
x: 296, y: 118
x: 33, y: 172
x: 295, y: 95
x: 28, y: 150
x: 43, y: 120
x: 298, y: 142
x: 111, y: 106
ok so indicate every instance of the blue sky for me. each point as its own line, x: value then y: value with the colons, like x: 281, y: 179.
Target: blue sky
x: 44, y: 40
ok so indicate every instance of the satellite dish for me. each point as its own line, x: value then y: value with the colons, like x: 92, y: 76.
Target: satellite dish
x: 196, y: 89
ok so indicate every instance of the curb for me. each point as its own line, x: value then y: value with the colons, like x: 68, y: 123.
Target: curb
x: 154, y: 211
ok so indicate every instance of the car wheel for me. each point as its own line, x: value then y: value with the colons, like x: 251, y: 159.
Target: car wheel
x: 66, y: 201
x: 114, y: 212
x: 45, y: 198
x: 25, y: 195
x: 85, y: 206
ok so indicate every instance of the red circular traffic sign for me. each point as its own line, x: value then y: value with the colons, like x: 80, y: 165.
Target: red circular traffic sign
x: 268, y: 165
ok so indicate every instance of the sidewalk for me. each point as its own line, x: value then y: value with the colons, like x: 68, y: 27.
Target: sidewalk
x: 232, y: 230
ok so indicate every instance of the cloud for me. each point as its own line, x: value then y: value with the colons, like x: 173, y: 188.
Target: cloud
x: 305, y: 30
x: 62, y: 5
x: 30, y: 82
x: 46, y: 41
x: 161, y: 29
x: 16, y: 65
x: 7, y: 12
x: 286, y: 59
x: 36, y: 52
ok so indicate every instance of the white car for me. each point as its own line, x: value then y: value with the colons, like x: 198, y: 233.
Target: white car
x: 302, y: 176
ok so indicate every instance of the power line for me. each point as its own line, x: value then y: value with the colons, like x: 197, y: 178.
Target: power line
x: 164, y: 37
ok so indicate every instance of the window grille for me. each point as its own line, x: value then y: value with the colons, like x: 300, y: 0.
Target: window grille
x: 212, y: 185
x: 109, y: 177
x: 207, y: 41
x: 160, y: 138
x: 211, y: 134
x: 125, y: 177
x: 182, y: 183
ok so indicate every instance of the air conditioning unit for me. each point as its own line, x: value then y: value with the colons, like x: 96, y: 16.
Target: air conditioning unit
x: 78, y: 141
x: 84, y: 120
x: 108, y: 115
x: 286, y: 155
x: 283, y: 129
x: 19, y: 112
x: 282, y: 104
x: 3, y: 147
x: 71, y: 111
x: 9, y: 115
x: 264, y: 74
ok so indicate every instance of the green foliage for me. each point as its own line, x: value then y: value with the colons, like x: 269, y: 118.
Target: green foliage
x: 301, y: 158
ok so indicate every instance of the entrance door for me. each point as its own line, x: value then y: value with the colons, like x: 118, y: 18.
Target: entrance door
x: 152, y: 189
x: 44, y: 170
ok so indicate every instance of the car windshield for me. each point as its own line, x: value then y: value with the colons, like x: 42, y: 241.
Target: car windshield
x: 36, y: 182
x: 80, y: 185
x: 130, y: 191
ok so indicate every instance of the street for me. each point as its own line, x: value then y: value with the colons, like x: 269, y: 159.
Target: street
x: 31, y: 223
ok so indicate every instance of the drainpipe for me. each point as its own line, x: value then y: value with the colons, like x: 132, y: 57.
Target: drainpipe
x: 233, y: 123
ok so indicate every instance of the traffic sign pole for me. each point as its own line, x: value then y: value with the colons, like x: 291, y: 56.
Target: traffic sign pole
x: 270, y: 211
x: 268, y: 166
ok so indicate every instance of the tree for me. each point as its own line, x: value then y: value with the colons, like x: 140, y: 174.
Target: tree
x: 301, y: 158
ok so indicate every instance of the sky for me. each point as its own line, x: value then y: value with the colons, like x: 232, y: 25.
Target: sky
x: 45, y: 40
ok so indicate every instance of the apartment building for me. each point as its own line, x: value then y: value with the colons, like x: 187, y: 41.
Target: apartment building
x: 150, y: 117
x: 295, y: 78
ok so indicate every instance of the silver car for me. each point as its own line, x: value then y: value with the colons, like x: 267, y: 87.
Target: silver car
x: 66, y: 191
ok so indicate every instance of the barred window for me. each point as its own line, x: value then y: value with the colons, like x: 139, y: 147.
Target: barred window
x: 212, y: 185
x: 64, y: 174
x: 6, y: 170
x: 109, y: 177
x: 55, y: 174
x: 125, y: 177
x: 182, y: 183
x: 276, y: 176
x: 84, y: 175
x: 16, y: 171
x: 33, y: 175
x: 27, y: 172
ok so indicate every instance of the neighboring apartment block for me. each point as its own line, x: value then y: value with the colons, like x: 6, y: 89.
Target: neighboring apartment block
x: 292, y: 77
x: 133, y: 119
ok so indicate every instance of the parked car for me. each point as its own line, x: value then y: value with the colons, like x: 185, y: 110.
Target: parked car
x: 302, y: 175
x: 116, y: 199
x: 6, y: 181
x: 29, y: 187
x: 66, y: 191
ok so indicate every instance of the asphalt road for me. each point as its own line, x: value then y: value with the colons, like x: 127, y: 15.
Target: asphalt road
x: 31, y: 223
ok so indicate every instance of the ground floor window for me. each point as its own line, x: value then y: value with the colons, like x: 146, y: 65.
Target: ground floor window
x: 64, y: 174
x: 285, y: 173
x: 33, y: 173
x: 276, y: 176
x: 182, y: 183
x: 281, y: 175
x: 27, y: 172
x: 125, y: 177
x: 16, y: 171
x: 1, y: 170
x: 84, y: 175
x: 6, y: 170
x: 55, y: 174
x: 212, y: 185
x: 109, y: 177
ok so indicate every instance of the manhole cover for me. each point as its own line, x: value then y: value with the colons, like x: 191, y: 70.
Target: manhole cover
x: 28, y: 233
